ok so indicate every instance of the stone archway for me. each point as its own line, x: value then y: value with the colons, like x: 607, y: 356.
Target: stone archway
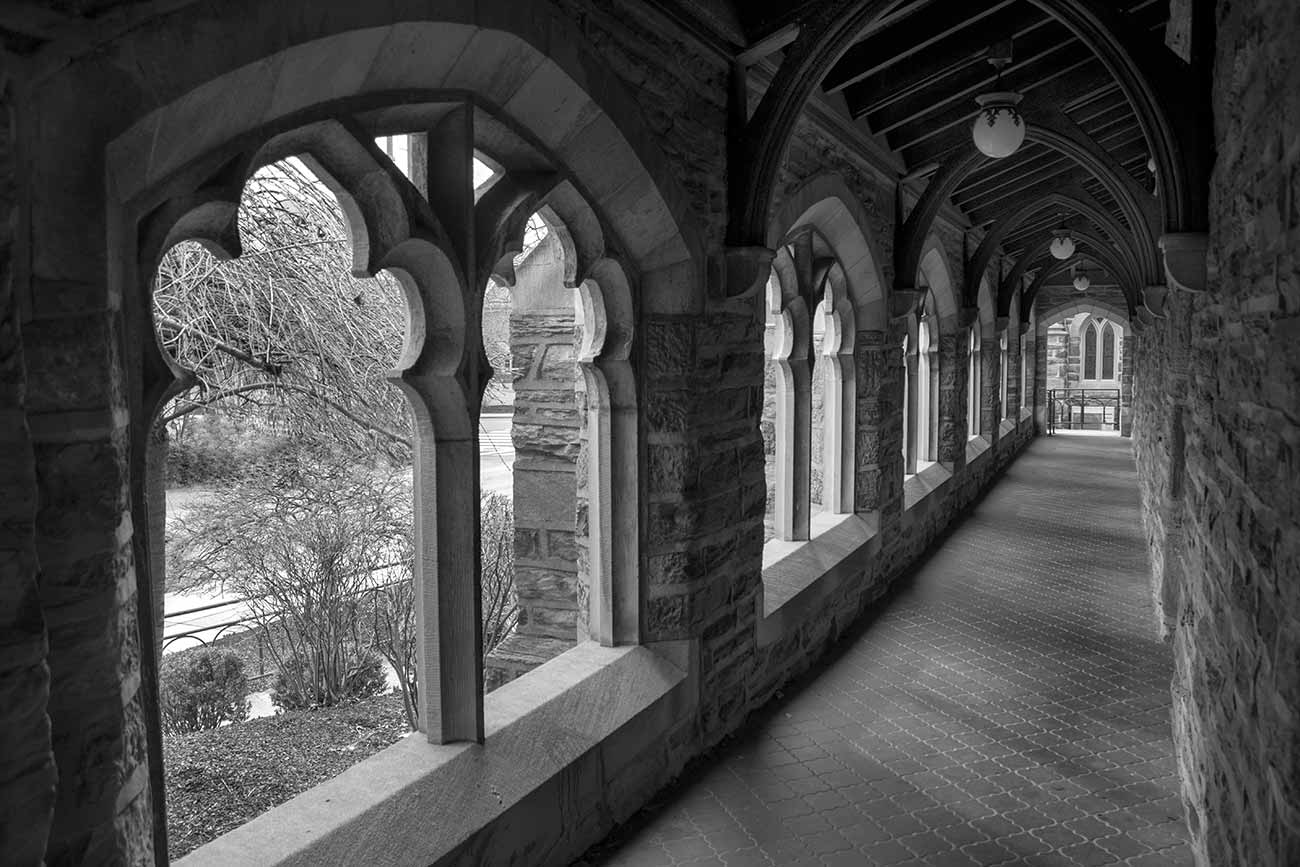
x: 866, y: 366
x: 173, y: 132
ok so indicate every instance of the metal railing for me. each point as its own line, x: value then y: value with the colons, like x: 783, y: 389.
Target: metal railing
x: 1082, y: 409
x: 245, y: 618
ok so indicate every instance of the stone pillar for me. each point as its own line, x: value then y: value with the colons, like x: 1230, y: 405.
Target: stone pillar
x: 1168, y: 569
x: 155, y: 481
x: 27, y: 773
x: 1126, y: 386
x: 705, y: 495
x: 911, y: 410
x: 952, y: 357
x: 545, y: 432
x: 990, y: 378
x: 879, y: 447
x: 1040, y: 382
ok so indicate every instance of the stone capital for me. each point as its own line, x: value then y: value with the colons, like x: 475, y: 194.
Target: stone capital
x: 1153, y: 299
x: 745, y: 271
x: 967, y: 316
x: 1000, y: 324
x: 904, y: 300
x: 1184, y: 257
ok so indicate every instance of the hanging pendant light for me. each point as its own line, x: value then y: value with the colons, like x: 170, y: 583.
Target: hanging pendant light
x: 1062, y: 245
x: 1081, y: 281
x: 999, y: 130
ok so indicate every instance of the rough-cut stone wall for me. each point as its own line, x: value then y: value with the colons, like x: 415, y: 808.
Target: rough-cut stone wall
x: 954, y: 349
x: 77, y: 410
x: 27, y: 773
x: 878, y: 449
x: 1217, y: 435
x: 990, y: 384
x: 1126, y: 385
x: 1058, y: 355
x: 681, y: 90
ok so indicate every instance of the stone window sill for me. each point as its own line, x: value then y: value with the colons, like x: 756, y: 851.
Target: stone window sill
x: 589, y: 711
x: 929, y: 479
x: 1006, y: 426
x: 797, y: 576
x: 976, y: 448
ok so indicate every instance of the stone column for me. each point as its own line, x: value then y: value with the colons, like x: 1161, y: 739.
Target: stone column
x: 705, y: 495
x: 911, y: 372
x: 27, y: 774
x: 1126, y: 386
x: 1039, y: 385
x: 879, y: 446
x: 990, y: 404
x: 952, y: 357
x: 1073, y: 360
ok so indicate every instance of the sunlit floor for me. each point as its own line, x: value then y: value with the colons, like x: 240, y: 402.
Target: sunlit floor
x: 1009, y: 706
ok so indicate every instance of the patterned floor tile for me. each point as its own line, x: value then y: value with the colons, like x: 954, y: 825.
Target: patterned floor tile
x: 1010, y: 706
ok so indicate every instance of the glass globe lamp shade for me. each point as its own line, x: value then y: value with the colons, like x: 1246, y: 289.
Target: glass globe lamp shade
x: 1081, y: 282
x: 1063, y: 247
x: 999, y: 130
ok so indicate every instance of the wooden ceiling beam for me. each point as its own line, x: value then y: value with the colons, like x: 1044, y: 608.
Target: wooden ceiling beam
x: 985, y: 200
x: 962, y: 111
x: 936, y: 146
x: 962, y: 50
x: 1034, y: 55
x: 890, y: 45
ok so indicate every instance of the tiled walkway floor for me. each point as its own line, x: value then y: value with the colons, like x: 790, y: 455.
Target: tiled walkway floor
x: 1011, y: 706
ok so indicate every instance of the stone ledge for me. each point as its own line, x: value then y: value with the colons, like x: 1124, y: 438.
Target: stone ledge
x: 796, y: 579
x: 1006, y: 426
x: 976, y: 448
x: 919, y: 487
x: 420, y: 803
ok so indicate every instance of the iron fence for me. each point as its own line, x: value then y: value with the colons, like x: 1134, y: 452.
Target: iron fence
x: 1082, y: 409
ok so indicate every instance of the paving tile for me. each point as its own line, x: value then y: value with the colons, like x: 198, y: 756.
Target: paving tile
x: 1008, y: 706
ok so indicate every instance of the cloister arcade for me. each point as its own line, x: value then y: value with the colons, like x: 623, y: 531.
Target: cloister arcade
x: 779, y: 328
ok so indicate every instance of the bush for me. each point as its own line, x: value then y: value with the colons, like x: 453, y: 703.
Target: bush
x: 306, y: 681
x: 201, y: 689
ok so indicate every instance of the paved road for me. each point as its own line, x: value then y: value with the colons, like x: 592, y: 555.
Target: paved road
x: 1010, y: 706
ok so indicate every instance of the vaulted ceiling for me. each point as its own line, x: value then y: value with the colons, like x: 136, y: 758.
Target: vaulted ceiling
x: 911, y: 75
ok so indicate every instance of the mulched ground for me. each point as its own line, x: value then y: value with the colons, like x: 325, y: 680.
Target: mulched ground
x: 219, y: 779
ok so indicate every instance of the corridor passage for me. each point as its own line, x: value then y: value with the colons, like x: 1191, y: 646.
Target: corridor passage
x: 1010, y: 705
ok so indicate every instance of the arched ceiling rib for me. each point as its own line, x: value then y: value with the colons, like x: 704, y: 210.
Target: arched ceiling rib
x: 1097, y: 81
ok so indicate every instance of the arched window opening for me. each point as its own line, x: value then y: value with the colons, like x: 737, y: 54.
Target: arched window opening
x: 1088, y: 350
x: 1004, y: 372
x: 772, y: 336
x: 283, y: 477
x: 908, y: 410
x: 1108, y: 352
x: 808, y: 400
x: 1025, y: 363
x: 789, y: 372
x: 927, y: 391
x: 973, y: 376
x: 819, y: 498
